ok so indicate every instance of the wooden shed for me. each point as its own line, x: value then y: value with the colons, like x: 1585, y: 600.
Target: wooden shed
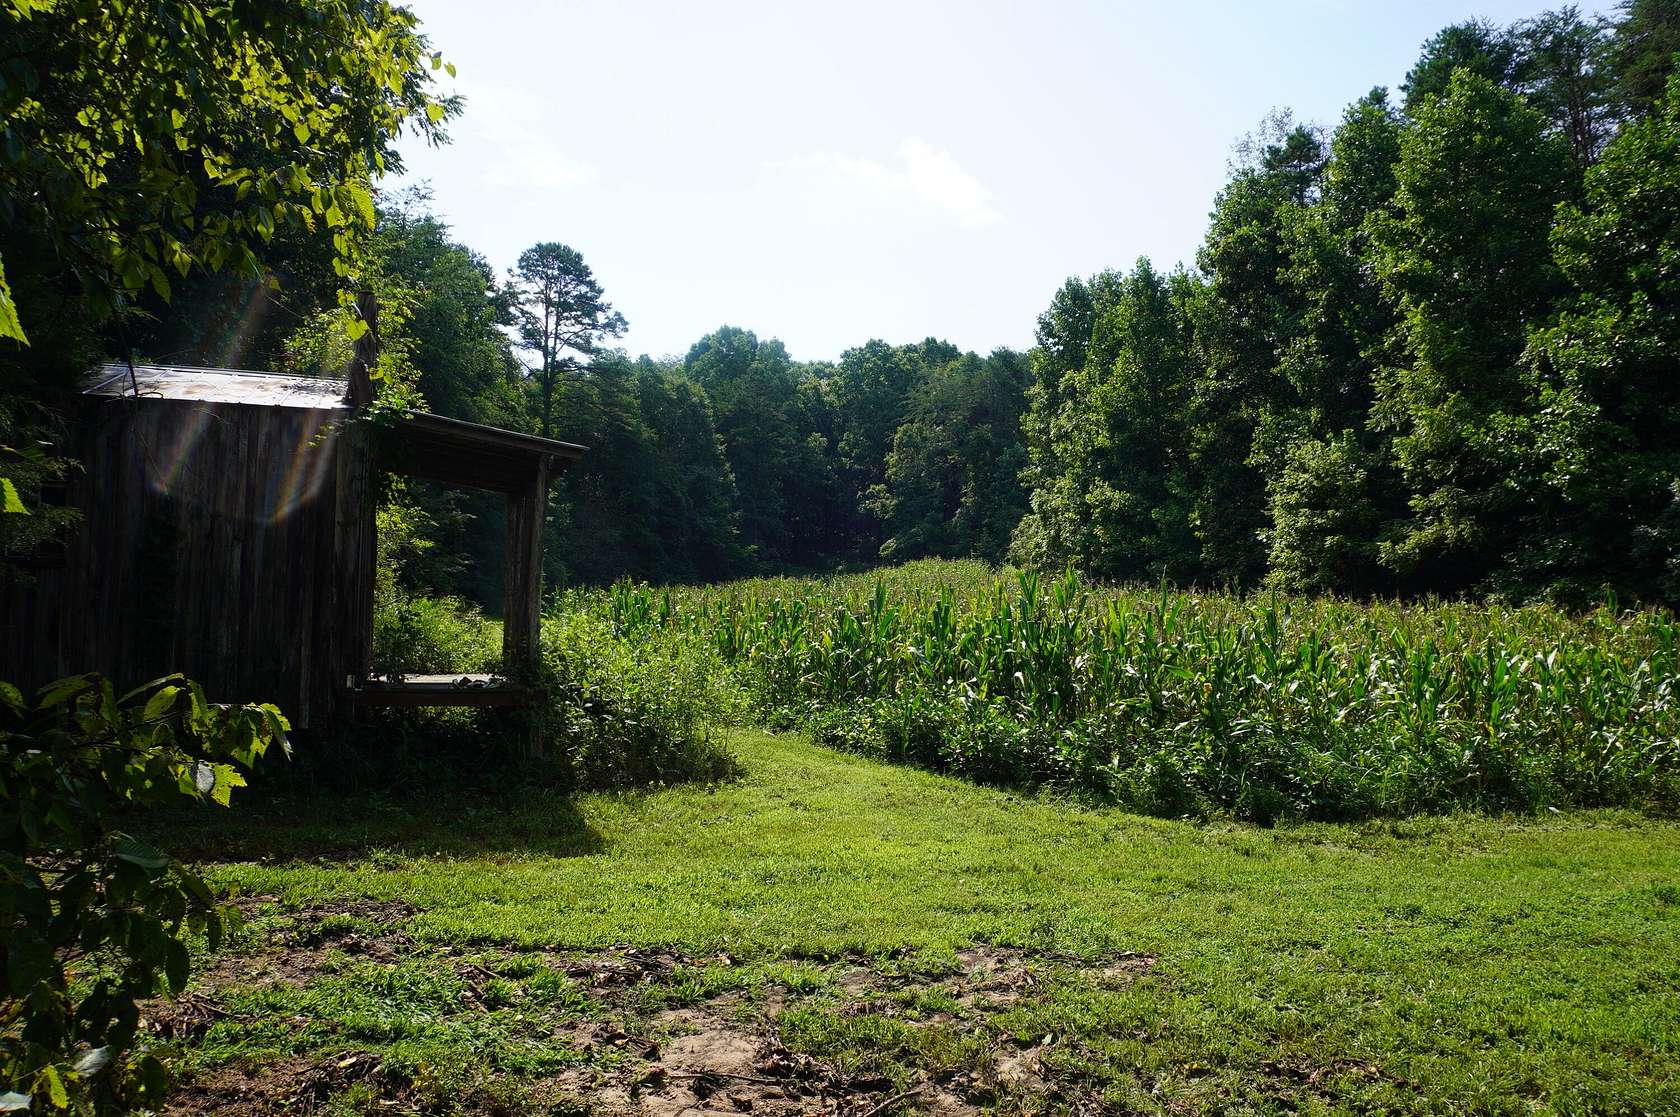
x: 227, y: 531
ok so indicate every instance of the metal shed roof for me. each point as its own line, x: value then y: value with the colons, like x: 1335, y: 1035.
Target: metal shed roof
x: 219, y: 385
x: 419, y: 443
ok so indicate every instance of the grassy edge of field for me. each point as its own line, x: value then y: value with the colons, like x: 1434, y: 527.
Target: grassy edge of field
x: 1467, y: 963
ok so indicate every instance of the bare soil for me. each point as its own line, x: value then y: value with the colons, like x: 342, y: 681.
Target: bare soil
x: 721, y: 1055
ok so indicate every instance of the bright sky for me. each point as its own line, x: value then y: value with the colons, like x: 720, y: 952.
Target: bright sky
x: 830, y: 173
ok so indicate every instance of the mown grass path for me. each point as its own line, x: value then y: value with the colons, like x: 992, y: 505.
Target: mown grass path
x: 1458, y: 964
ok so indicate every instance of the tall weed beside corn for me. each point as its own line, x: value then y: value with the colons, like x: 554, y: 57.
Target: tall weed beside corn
x: 618, y: 711
x: 630, y: 713
x: 1267, y: 707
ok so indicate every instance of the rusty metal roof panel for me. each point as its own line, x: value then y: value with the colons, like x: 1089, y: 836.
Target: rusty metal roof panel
x: 218, y: 385
x: 449, y: 450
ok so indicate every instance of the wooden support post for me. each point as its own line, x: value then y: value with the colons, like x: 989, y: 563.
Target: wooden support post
x: 356, y: 535
x: 366, y: 354
x: 522, y: 595
x: 355, y: 548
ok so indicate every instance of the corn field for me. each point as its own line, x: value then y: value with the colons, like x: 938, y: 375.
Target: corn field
x: 1264, y: 707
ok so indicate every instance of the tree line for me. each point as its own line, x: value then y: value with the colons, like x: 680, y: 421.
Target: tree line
x: 1427, y: 349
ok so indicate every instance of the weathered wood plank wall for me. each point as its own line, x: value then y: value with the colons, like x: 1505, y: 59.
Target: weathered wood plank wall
x: 230, y: 542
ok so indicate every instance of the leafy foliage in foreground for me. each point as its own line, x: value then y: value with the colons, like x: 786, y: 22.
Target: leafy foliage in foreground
x: 1267, y: 706
x: 94, y: 917
x: 148, y: 139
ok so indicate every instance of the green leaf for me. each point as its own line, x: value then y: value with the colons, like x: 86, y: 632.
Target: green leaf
x: 136, y: 852
x: 56, y: 1093
x: 10, y: 326
x: 199, y: 890
x: 233, y: 920
x: 9, y: 499
x: 277, y: 726
x: 152, y: 684
x: 160, y: 703
x: 55, y: 694
x: 356, y: 328
x: 227, y: 777
x: 363, y: 202
x: 177, y: 964
x: 200, y: 707
x: 434, y: 111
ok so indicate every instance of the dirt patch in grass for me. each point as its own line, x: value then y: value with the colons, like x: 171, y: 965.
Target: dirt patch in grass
x: 290, y: 1086
x: 665, y: 1034
x: 726, y: 1053
x: 296, y: 951
x: 328, y: 921
x: 354, y: 1082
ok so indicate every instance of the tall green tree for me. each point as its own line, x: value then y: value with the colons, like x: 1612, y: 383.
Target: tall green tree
x: 1564, y: 71
x: 145, y: 141
x: 823, y: 506
x: 457, y: 316
x: 564, y: 318
x: 1054, y: 531
x: 872, y: 388
x: 695, y: 518
x: 1112, y: 485
x: 754, y: 392
x: 605, y: 524
x: 952, y: 485
x: 1330, y: 485
x: 1483, y: 48
x: 1465, y: 259
x: 1608, y: 401
x: 1643, y: 45
x: 1245, y: 317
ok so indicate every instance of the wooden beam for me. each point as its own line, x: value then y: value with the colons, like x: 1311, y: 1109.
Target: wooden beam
x: 483, y: 691
x: 459, y: 453
x: 522, y: 594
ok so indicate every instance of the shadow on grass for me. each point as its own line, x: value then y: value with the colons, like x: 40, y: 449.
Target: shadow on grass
x: 327, y: 825
x: 438, y: 786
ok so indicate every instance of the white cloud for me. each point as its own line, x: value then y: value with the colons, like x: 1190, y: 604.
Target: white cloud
x: 537, y: 167
x: 937, y: 178
x: 923, y: 177
x: 520, y: 134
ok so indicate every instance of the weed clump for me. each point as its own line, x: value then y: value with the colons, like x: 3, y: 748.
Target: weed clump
x: 618, y: 710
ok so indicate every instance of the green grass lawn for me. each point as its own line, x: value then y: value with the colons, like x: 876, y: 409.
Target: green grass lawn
x: 1460, y: 964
